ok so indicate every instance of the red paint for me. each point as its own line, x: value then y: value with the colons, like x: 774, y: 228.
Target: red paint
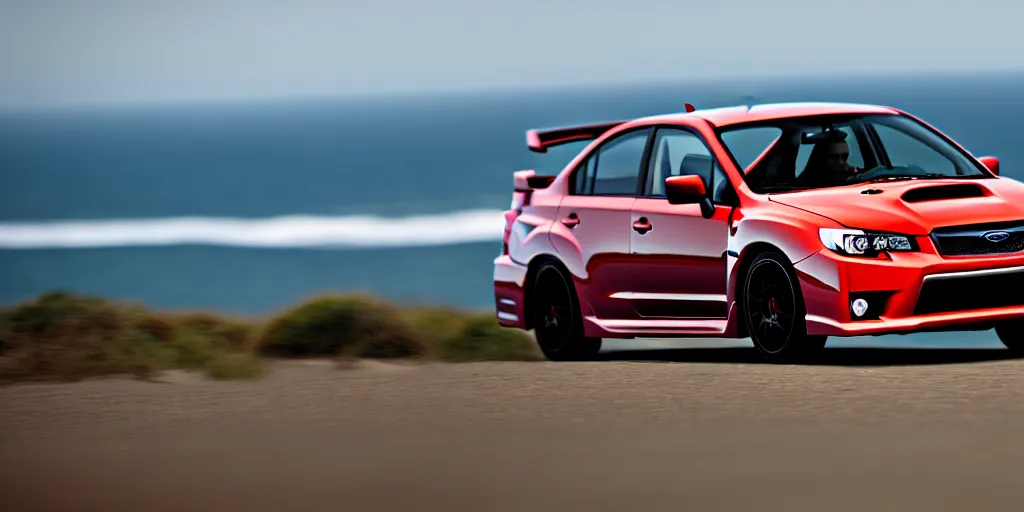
x: 593, y: 250
x: 992, y: 163
x: 1003, y: 201
x: 644, y: 245
x: 683, y: 252
x: 685, y: 187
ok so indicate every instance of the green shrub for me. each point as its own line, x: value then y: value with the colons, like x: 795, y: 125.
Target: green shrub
x: 63, y: 336
x: 456, y: 336
x: 357, y: 325
x: 198, y: 338
x: 436, y: 325
x: 481, y: 338
x: 223, y: 333
x: 130, y: 353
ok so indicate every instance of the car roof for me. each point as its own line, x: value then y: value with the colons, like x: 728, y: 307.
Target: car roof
x: 725, y: 116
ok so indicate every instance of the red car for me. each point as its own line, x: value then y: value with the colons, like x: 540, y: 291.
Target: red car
x: 785, y: 223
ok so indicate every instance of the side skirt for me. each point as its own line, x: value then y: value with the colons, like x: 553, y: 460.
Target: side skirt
x: 665, y: 328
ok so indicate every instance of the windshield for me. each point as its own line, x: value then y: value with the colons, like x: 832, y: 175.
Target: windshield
x: 803, y: 153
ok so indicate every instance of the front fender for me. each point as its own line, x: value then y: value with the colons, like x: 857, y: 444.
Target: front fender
x: 790, y: 231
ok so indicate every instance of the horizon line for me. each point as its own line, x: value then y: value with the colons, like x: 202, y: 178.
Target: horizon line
x: 452, y: 93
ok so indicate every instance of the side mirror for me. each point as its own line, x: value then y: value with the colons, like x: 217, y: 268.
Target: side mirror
x: 992, y: 163
x: 689, y: 189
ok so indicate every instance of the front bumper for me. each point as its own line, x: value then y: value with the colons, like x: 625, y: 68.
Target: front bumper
x: 908, y: 292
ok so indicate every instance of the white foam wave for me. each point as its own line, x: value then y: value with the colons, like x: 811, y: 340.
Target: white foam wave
x: 286, y: 231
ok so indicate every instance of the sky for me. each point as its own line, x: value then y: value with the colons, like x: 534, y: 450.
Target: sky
x: 89, y: 52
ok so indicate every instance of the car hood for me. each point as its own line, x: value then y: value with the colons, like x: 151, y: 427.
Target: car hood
x: 914, y: 207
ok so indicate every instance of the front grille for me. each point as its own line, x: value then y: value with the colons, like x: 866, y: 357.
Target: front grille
x: 971, y: 290
x: 971, y: 240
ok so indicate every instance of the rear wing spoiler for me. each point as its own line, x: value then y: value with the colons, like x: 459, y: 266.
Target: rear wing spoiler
x: 540, y: 139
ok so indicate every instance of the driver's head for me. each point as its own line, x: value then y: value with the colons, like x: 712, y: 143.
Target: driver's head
x: 834, y: 157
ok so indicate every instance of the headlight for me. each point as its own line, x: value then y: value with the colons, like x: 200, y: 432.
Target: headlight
x: 854, y: 242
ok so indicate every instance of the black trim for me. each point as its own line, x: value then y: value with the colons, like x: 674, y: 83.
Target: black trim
x: 940, y: 192
x: 538, y: 182
x: 641, y: 183
x: 970, y: 292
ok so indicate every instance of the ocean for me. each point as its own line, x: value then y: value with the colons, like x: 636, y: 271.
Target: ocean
x: 247, y: 208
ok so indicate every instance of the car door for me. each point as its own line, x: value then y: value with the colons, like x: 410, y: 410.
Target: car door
x: 678, y: 257
x: 592, y: 233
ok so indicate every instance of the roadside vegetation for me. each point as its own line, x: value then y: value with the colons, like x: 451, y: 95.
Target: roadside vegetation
x: 61, y: 337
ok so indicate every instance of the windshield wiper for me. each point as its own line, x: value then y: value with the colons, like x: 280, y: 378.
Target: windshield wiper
x: 782, y: 188
x: 898, y: 177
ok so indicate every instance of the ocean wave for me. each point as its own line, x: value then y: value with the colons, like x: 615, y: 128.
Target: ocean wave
x: 365, y: 231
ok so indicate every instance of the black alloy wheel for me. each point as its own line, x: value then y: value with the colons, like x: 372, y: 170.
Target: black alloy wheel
x: 556, y: 318
x: 774, y: 311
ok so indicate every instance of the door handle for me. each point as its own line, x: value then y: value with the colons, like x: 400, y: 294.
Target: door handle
x: 642, y: 225
x: 572, y: 221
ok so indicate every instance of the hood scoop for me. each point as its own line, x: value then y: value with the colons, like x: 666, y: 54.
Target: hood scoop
x: 940, y: 192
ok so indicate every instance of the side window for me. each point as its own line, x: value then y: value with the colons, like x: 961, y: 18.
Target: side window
x: 855, y: 159
x: 904, y: 150
x: 583, y: 179
x: 617, y: 167
x: 677, y: 152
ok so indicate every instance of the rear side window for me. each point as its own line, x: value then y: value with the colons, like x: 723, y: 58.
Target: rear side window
x: 583, y: 179
x: 616, y: 165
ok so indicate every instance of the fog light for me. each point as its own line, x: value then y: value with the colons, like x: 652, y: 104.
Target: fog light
x: 860, y: 306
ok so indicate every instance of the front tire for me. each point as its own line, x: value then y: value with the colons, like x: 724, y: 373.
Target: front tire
x: 556, y: 317
x: 1011, y: 333
x: 774, y: 311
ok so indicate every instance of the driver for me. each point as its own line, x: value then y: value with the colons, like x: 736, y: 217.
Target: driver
x: 828, y: 164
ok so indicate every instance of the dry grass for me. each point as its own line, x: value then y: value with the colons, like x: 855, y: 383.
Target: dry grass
x: 61, y: 336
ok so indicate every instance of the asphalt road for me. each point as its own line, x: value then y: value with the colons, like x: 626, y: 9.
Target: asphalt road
x: 700, y: 429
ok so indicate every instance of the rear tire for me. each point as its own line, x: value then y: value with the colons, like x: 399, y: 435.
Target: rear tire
x: 1011, y: 333
x: 774, y: 311
x: 556, y: 316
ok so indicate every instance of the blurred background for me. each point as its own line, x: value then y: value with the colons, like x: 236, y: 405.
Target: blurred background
x: 242, y: 156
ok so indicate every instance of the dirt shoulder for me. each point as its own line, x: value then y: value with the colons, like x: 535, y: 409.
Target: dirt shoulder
x: 710, y: 430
